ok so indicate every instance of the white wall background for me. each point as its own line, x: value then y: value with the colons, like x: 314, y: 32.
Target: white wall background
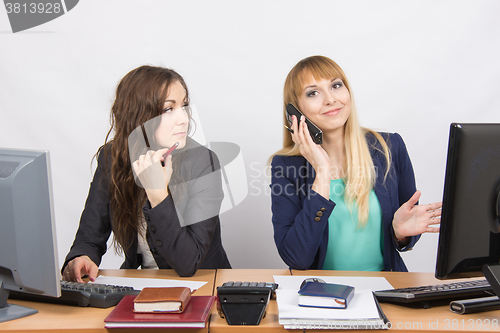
x: 415, y: 67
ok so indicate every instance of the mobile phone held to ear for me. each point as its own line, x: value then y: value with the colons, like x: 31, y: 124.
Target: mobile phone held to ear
x: 316, y: 133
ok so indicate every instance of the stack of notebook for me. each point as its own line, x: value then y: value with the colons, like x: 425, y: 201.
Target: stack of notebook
x: 163, y: 307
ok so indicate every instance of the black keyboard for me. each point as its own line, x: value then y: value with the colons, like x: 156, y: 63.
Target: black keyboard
x: 456, y: 290
x: 82, y: 294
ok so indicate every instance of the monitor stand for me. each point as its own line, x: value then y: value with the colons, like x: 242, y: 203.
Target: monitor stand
x: 492, y: 274
x: 11, y: 311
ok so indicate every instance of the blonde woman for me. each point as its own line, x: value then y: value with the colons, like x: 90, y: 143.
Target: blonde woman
x: 349, y: 203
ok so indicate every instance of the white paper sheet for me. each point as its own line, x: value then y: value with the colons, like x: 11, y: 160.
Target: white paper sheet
x: 361, y: 309
x: 139, y: 283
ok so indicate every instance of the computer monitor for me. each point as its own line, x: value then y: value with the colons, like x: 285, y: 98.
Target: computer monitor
x: 28, y: 250
x: 469, y: 237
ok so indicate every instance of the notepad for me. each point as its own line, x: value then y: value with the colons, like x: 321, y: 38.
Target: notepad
x: 325, y: 295
x: 169, y: 299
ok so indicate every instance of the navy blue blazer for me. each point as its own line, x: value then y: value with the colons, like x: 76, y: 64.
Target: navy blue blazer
x: 301, y: 236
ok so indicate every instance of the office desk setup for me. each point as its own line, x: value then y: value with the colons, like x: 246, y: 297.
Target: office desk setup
x: 439, y: 318
x: 64, y: 318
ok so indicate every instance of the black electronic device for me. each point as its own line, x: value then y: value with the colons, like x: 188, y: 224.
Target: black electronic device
x: 244, y: 303
x: 424, y: 294
x: 475, y: 305
x: 470, y: 225
x: 28, y: 248
x: 316, y: 133
x: 82, y: 294
x: 469, y: 238
x: 492, y: 274
x: 311, y: 280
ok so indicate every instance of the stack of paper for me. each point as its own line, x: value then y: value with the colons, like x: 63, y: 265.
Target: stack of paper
x: 362, y: 312
x: 140, y: 283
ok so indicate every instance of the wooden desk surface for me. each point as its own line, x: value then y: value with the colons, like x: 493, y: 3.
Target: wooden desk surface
x: 62, y: 318
x: 415, y: 318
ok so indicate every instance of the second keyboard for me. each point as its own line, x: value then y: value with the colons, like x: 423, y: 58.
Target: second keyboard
x: 456, y: 290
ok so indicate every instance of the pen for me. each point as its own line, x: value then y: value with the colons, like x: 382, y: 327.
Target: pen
x: 170, y: 150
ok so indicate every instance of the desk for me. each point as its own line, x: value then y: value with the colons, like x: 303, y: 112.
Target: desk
x: 415, y: 318
x: 60, y: 318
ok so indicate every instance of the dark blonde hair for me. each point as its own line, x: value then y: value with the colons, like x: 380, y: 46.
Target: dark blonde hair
x: 140, y: 97
x: 360, y: 171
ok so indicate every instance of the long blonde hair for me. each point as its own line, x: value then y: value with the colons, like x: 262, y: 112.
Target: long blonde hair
x: 360, y: 173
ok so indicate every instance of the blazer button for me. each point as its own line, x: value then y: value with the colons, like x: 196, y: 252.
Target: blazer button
x: 146, y: 217
x: 319, y: 213
x: 159, y: 243
x: 153, y: 251
x: 323, y: 209
x: 152, y: 229
x: 317, y: 219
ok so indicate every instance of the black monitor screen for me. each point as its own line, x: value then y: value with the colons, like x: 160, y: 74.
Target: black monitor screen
x: 470, y: 229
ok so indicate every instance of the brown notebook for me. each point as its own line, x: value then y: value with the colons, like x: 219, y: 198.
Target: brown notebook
x: 163, y: 299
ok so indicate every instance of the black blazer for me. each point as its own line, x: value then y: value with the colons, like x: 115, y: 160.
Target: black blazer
x: 185, y: 248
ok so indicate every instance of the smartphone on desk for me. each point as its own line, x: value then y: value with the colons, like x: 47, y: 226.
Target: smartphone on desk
x: 316, y: 133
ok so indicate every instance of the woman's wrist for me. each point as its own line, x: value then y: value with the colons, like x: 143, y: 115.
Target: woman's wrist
x: 321, y: 185
x: 155, y: 197
x: 400, y: 239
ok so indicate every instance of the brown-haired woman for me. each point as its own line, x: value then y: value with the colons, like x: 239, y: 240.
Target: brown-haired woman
x: 349, y: 203
x: 163, y: 211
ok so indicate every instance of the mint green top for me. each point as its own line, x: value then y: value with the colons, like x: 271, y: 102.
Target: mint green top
x: 353, y: 248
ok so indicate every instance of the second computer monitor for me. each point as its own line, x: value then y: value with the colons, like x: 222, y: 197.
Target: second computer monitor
x: 470, y: 224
